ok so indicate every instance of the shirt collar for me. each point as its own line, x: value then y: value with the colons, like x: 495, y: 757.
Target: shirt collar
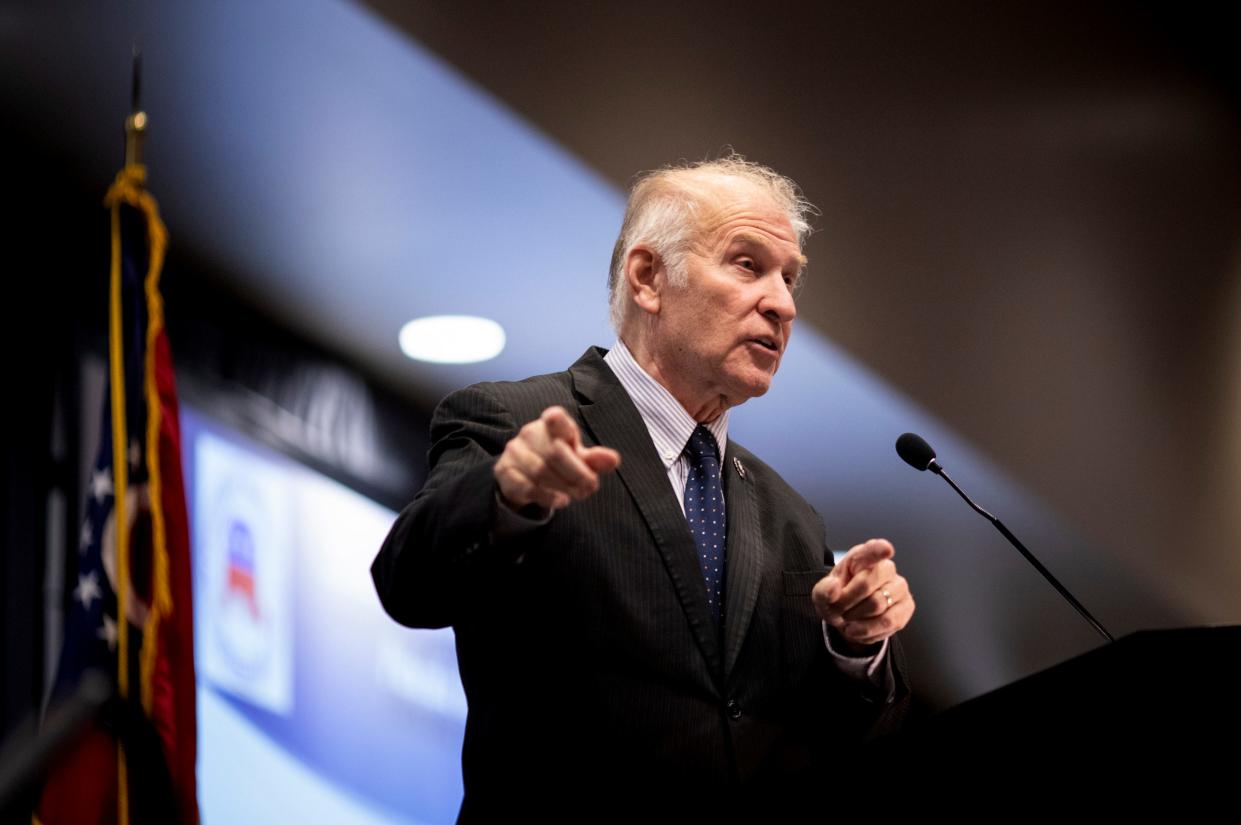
x: 669, y: 424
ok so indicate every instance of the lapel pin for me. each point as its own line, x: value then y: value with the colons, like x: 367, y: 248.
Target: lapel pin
x: 740, y: 468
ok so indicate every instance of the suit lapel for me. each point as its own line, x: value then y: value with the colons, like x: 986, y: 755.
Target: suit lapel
x: 745, y: 554
x: 615, y: 422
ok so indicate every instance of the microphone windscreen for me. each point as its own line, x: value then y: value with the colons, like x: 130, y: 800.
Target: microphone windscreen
x: 915, y: 452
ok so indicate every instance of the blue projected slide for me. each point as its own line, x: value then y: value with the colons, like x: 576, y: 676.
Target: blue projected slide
x: 313, y: 705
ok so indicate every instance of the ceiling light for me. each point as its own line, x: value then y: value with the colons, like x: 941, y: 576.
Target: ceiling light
x: 452, y: 339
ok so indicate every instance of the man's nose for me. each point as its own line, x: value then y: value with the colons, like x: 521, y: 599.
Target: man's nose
x: 777, y: 302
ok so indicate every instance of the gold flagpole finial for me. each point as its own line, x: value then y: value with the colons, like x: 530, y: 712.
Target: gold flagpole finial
x: 136, y: 123
x: 135, y: 131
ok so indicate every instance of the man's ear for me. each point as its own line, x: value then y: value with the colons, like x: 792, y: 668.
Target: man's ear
x: 647, y: 277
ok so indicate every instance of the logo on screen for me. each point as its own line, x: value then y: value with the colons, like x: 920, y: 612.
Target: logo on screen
x: 241, y: 624
x: 245, y: 553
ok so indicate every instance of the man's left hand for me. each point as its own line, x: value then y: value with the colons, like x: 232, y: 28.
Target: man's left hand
x: 863, y: 597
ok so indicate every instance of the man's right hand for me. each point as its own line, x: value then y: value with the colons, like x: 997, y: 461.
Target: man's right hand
x: 546, y: 464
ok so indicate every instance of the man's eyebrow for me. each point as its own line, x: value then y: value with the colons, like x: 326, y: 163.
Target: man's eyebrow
x: 752, y: 240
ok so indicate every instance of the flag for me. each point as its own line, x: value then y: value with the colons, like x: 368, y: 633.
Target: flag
x: 131, y: 612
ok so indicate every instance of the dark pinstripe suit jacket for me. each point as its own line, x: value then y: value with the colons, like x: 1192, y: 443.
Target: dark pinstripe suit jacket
x: 593, y: 669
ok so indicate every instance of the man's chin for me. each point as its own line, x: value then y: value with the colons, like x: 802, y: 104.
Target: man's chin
x: 750, y: 389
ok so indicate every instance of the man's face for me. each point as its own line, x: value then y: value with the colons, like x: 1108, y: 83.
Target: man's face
x: 724, y: 333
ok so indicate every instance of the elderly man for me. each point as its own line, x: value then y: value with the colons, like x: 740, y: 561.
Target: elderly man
x: 641, y: 606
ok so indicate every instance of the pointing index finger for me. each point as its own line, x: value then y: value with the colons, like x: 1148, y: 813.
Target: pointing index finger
x: 867, y: 555
x: 560, y: 426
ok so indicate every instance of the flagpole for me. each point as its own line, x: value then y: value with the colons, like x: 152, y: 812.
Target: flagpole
x: 135, y: 131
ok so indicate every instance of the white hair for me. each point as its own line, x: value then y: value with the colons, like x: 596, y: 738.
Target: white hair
x: 667, y: 206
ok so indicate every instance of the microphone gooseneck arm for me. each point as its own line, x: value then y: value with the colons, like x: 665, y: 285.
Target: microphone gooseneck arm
x: 1021, y: 548
x: 919, y: 455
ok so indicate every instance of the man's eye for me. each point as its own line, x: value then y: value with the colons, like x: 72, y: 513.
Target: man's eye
x: 748, y: 264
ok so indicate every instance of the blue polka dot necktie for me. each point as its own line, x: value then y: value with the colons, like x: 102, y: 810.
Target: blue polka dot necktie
x: 704, y: 510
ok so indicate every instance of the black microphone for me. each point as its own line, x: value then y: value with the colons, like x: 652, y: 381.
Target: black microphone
x: 914, y: 450
x: 917, y: 453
